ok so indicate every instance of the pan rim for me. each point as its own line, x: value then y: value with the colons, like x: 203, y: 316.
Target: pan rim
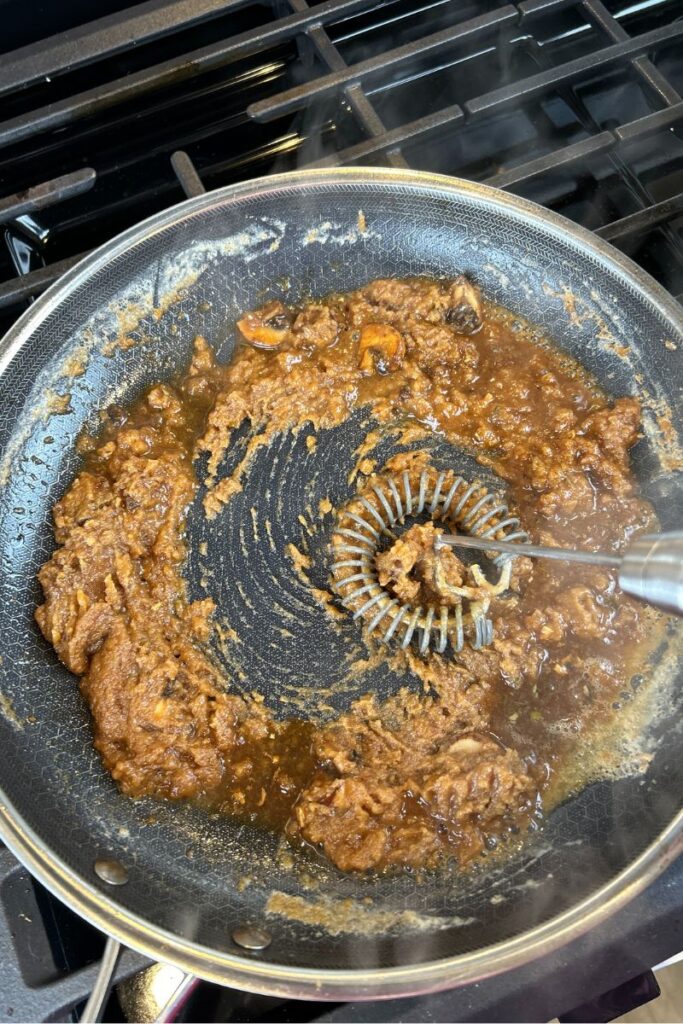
x: 250, y: 974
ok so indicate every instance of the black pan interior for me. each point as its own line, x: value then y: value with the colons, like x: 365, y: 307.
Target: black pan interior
x: 196, y: 876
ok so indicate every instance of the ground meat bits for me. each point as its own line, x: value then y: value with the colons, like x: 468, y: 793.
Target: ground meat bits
x: 420, y: 777
x: 408, y: 568
x: 386, y: 794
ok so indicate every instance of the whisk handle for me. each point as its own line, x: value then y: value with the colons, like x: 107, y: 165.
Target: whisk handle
x: 652, y: 569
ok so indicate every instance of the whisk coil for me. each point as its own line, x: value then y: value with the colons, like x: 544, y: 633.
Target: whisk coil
x: 361, y: 526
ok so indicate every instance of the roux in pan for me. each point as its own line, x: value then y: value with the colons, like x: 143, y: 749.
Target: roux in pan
x: 421, y: 777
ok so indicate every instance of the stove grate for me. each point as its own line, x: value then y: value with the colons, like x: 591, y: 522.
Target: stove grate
x: 538, y: 97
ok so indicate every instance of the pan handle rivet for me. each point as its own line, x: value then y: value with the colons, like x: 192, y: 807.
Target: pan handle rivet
x: 249, y: 937
x: 111, y: 871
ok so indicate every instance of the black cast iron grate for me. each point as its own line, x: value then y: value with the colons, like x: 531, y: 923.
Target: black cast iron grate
x: 576, y: 104
x: 573, y: 103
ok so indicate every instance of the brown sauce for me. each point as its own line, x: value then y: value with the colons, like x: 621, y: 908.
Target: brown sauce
x: 416, y: 779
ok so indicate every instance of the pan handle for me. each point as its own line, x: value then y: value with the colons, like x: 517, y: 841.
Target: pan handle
x: 92, y: 1013
x: 105, y: 975
x: 175, y: 1003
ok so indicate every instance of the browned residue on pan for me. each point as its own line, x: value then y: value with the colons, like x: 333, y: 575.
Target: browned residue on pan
x: 351, y: 917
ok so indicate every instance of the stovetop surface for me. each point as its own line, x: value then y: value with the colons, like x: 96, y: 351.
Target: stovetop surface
x: 576, y: 104
x: 573, y: 103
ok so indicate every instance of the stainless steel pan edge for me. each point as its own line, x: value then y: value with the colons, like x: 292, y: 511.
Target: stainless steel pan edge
x: 268, y: 979
x: 250, y: 974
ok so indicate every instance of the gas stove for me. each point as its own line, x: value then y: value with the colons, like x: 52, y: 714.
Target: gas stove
x: 575, y: 104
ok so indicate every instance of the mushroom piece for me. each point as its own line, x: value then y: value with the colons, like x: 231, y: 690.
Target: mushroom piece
x: 267, y: 327
x: 464, y: 312
x: 381, y: 348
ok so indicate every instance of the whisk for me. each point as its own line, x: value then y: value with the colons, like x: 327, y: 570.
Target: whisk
x: 651, y: 568
x: 368, y: 519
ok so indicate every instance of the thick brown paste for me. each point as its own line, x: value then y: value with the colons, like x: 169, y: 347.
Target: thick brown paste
x: 420, y: 777
x: 409, y: 568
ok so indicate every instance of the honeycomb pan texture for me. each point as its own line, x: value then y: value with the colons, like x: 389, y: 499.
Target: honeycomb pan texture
x: 204, y: 262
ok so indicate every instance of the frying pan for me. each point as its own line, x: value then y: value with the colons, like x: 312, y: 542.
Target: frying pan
x: 193, y: 881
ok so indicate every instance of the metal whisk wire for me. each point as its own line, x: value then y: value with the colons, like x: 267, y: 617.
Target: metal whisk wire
x: 469, y: 507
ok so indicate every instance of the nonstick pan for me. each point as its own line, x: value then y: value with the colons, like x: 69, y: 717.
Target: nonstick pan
x: 191, y: 881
